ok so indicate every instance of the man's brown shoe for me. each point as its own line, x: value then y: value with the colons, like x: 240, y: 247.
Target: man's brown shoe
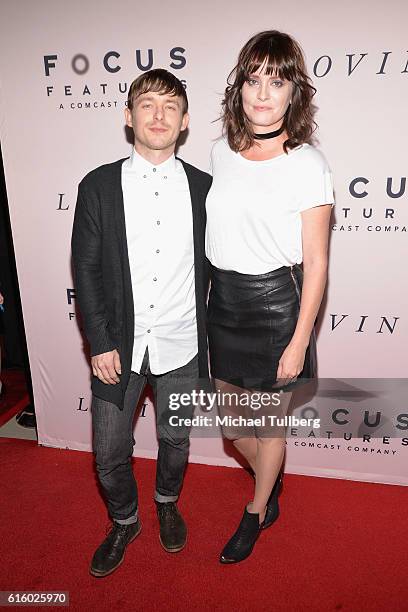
x: 173, y: 530
x: 111, y: 552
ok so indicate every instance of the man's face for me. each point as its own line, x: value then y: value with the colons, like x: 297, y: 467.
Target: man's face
x: 157, y: 120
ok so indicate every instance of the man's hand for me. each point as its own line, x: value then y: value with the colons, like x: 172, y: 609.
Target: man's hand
x: 106, y: 367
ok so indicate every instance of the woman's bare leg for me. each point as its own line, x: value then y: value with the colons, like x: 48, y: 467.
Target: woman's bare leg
x: 269, y: 458
x: 264, y: 454
x: 246, y: 446
x: 248, y: 449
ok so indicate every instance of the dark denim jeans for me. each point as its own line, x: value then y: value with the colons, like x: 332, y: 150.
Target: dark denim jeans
x: 113, y: 440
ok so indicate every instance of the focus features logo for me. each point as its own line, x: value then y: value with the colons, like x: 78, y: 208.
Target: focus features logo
x: 96, y: 95
x: 70, y: 301
x: 362, y: 215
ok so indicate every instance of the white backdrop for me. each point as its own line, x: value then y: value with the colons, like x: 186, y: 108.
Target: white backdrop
x: 61, y: 114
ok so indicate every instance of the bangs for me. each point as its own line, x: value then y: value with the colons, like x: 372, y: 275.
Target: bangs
x: 272, y: 58
x: 157, y: 81
x: 157, y: 85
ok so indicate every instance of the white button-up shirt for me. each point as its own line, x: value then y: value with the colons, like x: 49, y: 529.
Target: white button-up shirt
x: 159, y: 230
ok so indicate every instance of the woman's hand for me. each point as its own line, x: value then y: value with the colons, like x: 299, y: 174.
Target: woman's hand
x: 291, y: 363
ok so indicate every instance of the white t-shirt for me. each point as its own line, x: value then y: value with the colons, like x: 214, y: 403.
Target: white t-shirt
x: 253, y: 207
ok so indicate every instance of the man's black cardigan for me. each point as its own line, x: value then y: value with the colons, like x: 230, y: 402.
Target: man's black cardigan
x: 102, y: 272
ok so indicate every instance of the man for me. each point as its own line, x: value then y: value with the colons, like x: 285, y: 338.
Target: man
x: 141, y: 283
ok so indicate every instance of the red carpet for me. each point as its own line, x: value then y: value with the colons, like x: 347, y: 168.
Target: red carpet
x: 338, y: 545
x: 15, y: 396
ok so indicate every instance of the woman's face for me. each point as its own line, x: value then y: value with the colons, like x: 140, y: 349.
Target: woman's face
x: 265, y: 99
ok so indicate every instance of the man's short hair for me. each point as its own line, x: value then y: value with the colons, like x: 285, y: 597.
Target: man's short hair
x: 160, y: 81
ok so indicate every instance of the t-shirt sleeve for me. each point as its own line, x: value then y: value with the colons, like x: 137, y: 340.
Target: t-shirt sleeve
x: 317, y: 183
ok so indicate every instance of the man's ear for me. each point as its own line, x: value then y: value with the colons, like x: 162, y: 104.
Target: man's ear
x: 128, y: 117
x: 184, y: 122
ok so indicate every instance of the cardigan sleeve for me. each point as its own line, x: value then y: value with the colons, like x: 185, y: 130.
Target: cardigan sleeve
x: 86, y: 246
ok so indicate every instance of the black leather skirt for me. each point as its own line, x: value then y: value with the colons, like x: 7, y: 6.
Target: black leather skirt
x: 251, y: 320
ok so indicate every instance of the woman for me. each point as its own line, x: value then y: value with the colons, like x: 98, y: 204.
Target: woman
x: 268, y: 211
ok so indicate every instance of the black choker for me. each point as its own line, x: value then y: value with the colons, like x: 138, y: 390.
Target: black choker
x: 269, y: 134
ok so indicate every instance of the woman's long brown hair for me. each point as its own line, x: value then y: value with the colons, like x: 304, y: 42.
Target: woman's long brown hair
x: 282, y: 57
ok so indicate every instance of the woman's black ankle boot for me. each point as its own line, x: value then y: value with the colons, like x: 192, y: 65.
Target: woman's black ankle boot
x: 272, y: 506
x: 242, y: 542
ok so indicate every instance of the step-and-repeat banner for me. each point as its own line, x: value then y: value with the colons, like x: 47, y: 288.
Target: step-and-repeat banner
x: 65, y: 71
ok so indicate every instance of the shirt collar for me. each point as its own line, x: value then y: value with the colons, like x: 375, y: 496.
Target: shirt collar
x: 140, y: 165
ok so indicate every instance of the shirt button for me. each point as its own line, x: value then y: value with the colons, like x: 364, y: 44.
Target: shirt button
x: 154, y: 169
x: 148, y: 331
x: 151, y: 305
x: 145, y: 176
x: 158, y: 222
x: 156, y: 193
x: 157, y: 250
x: 155, y: 279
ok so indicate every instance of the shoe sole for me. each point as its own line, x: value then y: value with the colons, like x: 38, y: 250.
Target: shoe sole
x: 172, y: 550
x: 103, y: 574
